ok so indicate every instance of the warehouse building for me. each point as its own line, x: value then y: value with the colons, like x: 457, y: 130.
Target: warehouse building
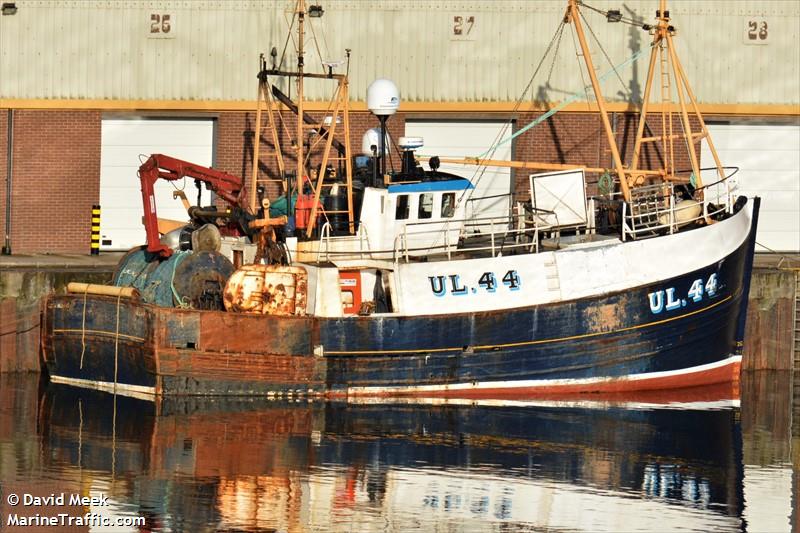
x: 89, y: 87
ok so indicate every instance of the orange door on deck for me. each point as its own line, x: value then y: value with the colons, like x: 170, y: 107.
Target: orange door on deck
x: 350, y: 285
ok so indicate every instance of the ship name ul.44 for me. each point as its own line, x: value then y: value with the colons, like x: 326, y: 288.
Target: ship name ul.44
x: 486, y: 282
x: 668, y: 299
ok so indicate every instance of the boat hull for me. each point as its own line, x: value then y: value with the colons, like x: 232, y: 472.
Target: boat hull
x: 681, y: 331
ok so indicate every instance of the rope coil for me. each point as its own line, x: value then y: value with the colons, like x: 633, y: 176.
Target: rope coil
x: 181, y: 302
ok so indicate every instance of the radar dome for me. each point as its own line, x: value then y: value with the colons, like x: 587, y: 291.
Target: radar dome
x: 383, y: 98
x: 372, y: 137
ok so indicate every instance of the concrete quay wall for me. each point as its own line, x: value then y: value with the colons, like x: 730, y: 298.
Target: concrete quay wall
x: 21, y: 292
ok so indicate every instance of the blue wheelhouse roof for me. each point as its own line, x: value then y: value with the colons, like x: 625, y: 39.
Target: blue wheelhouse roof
x: 430, y: 186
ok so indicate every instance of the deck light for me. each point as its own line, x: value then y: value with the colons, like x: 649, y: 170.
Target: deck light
x: 613, y: 15
x: 9, y: 8
x: 315, y: 11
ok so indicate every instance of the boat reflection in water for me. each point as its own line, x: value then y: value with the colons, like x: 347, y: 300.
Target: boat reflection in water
x: 200, y: 464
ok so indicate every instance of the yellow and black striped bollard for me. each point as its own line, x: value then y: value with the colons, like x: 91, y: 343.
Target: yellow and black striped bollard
x: 95, y: 230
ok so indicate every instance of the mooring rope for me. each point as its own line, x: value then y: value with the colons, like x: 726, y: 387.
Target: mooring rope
x: 80, y: 435
x: 116, y: 344
x: 114, y: 440
x: 83, y: 325
x: 783, y: 257
x: 181, y: 302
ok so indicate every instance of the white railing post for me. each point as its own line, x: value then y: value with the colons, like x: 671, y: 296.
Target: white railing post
x: 491, y: 229
x: 447, y: 239
x: 671, y: 214
x: 623, y: 221
x: 405, y: 241
x: 324, y: 237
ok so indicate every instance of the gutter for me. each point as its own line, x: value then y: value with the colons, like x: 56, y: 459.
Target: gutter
x: 9, y: 174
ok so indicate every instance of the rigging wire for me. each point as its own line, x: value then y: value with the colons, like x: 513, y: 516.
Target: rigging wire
x: 325, y: 44
x: 574, y: 96
x: 316, y: 45
x: 580, y: 67
x: 556, y: 39
x: 605, y: 54
x: 555, y: 54
x: 616, y: 16
x: 565, y: 103
x: 289, y: 35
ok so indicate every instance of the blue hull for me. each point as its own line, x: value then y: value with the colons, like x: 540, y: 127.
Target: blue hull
x: 690, y: 324
x: 612, y: 336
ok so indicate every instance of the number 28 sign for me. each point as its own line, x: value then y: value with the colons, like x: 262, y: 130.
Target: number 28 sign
x: 756, y: 31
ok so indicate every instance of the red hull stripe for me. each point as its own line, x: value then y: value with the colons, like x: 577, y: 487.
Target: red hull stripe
x: 725, y: 371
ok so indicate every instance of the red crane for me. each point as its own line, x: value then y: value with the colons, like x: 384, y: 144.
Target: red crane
x: 159, y: 166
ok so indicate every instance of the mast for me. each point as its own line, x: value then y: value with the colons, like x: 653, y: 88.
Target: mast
x: 573, y: 16
x: 301, y: 15
x: 317, y: 179
x: 264, y: 102
x: 663, y: 47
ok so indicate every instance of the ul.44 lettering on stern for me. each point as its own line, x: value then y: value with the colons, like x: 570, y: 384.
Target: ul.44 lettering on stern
x: 669, y: 300
x: 487, y: 282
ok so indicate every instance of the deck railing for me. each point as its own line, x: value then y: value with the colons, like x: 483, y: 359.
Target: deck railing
x: 325, y: 239
x: 505, y: 234
x: 653, y: 209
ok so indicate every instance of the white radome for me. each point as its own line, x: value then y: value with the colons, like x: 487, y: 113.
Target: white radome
x: 372, y: 137
x: 411, y: 143
x: 383, y: 97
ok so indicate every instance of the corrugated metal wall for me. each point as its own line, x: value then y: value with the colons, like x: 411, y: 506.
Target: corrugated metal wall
x: 105, y: 49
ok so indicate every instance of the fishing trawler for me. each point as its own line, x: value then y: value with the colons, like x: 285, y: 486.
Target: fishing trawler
x: 352, y: 282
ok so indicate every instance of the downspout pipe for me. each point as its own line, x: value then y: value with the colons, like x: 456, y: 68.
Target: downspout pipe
x: 9, y: 179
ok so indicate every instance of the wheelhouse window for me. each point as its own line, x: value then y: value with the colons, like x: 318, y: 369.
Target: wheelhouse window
x: 448, y: 204
x: 401, y: 209
x: 425, y: 206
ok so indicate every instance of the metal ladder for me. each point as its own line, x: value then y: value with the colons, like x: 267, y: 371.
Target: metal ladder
x: 666, y: 102
x: 646, y: 205
x: 266, y: 103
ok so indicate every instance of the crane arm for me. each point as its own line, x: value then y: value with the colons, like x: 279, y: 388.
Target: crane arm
x: 159, y: 166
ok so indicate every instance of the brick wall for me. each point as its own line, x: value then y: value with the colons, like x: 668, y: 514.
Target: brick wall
x: 56, y: 180
x: 564, y: 138
x: 57, y: 162
x: 579, y: 138
x: 235, y: 133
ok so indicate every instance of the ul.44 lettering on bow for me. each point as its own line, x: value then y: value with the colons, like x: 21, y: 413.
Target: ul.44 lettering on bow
x: 668, y: 299
x: 486, y: 282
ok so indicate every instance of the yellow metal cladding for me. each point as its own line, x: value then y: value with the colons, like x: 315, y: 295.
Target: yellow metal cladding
x: 743, y: 52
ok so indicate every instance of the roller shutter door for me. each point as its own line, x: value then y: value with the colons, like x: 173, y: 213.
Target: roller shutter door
x: 768, y: 157
x: 126, y: 143
x: 460, y: 138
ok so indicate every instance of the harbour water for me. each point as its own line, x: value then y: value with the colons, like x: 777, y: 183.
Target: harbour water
x: 653, y: 463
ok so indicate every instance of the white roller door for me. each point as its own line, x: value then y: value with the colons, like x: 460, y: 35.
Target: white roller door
x: 461, y: 138
x: 126, y: 143
x: 768, y: 157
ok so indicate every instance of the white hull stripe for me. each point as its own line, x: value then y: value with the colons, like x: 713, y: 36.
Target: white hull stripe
x: 134, y: 391
x: 540, y: 383
x: 721, y: 404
